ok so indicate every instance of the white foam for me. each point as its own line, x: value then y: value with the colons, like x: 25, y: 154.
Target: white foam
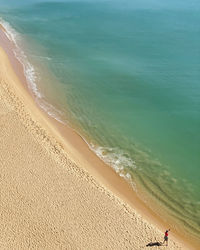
x: 51, y: 110
x: 29, y: 71
x: 9, y: 31
x: 28, y: 68
x: 118, y: 160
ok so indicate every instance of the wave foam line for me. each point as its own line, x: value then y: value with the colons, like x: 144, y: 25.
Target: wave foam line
x: 29, y: 72
x: 111, y: 156
x: 118, y: 160
x: 28, y: 68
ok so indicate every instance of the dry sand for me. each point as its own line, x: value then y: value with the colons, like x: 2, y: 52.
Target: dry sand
x: 49, y: 197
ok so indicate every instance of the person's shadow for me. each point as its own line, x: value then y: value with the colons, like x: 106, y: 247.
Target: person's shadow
x: 152, y: 244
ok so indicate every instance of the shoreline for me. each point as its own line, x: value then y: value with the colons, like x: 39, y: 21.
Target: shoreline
x: 79, y: 151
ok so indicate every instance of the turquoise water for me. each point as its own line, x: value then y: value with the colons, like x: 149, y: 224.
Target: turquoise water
x: 126, y: 74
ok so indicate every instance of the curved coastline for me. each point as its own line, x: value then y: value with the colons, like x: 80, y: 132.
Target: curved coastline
x: 79, y: 151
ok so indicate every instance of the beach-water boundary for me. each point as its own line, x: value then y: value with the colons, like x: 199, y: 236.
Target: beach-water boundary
x: 124, y: 190
x: 149, y: 175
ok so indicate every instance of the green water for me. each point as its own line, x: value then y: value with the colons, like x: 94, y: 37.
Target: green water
x: 127, y: 75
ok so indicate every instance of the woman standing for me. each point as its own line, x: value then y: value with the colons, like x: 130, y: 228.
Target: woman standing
x: 166, y: 237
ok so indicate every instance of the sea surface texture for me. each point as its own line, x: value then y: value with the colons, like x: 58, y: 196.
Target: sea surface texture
x: 126, y: 75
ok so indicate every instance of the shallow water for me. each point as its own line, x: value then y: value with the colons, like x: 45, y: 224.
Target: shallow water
x: 127, y: 75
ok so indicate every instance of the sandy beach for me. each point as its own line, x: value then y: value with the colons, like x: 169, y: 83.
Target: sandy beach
x: 57, y: 194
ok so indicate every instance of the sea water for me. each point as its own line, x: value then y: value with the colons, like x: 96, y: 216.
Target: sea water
x: 126, y: 75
